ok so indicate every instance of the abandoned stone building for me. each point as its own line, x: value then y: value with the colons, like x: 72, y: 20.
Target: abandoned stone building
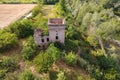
x: 56, y: 29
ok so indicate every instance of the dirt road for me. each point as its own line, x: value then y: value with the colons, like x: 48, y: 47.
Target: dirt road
x: 11, y: 12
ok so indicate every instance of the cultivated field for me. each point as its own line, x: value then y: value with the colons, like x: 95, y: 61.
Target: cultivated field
x: 11, y: 12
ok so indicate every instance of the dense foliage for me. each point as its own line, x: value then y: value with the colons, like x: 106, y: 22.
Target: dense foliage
x: 87, y: 53
x: 45, y: 60
x: 48, y: 1
x: 92, y: 22
x: 8, y: 64
x: 71, y: 58
x: 61, y: 76
x: 7, y: 40
x: 36, y: 10
x: 29, y: 49
x: 22, y: 28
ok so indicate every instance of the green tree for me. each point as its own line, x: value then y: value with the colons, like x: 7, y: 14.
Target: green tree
x: 61, y: 76
x: 71, y: 33
x: 61, y: 8
x: 71, y: 58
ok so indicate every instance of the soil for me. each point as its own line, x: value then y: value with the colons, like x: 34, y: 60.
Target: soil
x: 12, y: 12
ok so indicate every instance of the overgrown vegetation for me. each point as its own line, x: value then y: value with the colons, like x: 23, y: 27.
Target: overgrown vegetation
x: 7, y: 40
x: 94, y: 21
x: 7, y: 65
x: 29, y: 49
x: 26, y: 75
x: 45, y: 59
x: 71, y: 58
x: 48, y: 1
x: 22, y: 28
x: 87, y: 53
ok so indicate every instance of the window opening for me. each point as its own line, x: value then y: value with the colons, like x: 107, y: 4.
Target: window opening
x: 39, y: 46
x: 57, y: 37
x: 42, y: 40
x: 47, y: 39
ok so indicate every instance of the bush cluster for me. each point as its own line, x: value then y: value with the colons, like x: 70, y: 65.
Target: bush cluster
x: 26, y: 75
x: 22, y: 29
x: 48, y: 1
x: 7, y: 40
x: 2, y: 74
x: 45, y: 59
x: 29, y: 49
x: 9, y: 64
x: 71, y: 58
x: 36, y: 10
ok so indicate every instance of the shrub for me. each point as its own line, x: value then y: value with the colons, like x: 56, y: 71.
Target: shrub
x: 29, y: 49
x: 112, y: 74
x: 9, y: 64
x: 87, y: 56
x: 80, y: 78
x: 11, y: 76
x: 61, y: 76
x: 52, y: 74
x: 71, y: 58
x: 7, y: 40
x: 59, y: 45
x: 71, y: 45
x: 28, y: 53
x: 41, y: 22
x: 22, y: 28
x: 95, y: 73
x: 82, y: 63
x: 36, y: 10
x: 106, y: 62
x: 2, y: 74
x: 47, y: 1
x: 54, y: 51
x: 72, y: 33
x: 44, y: 60
x: 26, y: 75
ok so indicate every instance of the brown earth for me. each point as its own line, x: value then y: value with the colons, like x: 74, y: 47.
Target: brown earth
x: 11, y: 12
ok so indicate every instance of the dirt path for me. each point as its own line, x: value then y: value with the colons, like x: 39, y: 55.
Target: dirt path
x: 47, y: 11
x: 11, y: 12
x: 60, y: 65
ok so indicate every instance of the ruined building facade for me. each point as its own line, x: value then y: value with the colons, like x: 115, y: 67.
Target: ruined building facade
x: 56, y: 28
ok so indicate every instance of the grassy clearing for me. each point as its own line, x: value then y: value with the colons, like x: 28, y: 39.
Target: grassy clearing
x: 71, y: 71
x: 15, y: 52
x: 49, y: 11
